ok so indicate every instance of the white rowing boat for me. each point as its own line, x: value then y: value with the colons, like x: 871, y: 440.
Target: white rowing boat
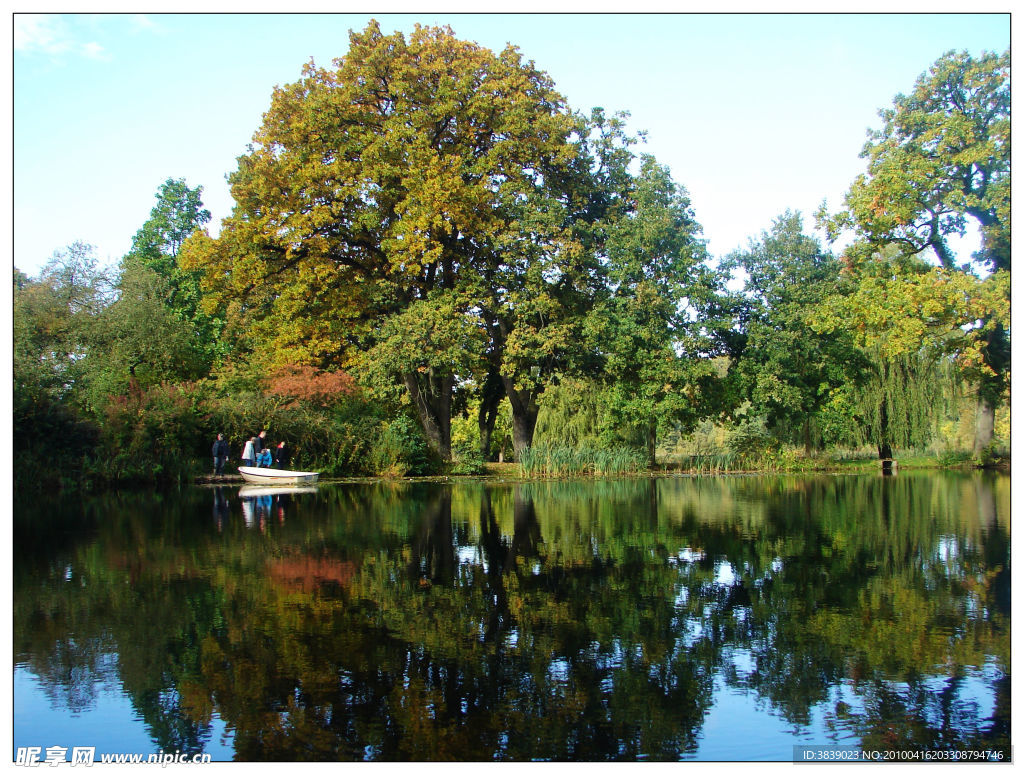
x: 275, y: 476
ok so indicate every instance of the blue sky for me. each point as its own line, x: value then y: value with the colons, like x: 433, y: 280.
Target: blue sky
x: 754, y: 114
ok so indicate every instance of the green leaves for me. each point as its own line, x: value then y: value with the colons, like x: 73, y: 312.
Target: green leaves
x: 437, y: 333
x: 942, y: 156
x: 787, y: 368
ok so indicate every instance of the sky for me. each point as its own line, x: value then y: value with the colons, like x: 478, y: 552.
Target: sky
x: 753, y: 113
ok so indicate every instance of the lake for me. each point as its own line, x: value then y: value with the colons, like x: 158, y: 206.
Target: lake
x: 674, y: 618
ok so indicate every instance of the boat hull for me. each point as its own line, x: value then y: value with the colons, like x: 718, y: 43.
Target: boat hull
x: 276, y: 476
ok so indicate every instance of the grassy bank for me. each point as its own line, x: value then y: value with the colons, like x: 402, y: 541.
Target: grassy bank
x: 545, y: 464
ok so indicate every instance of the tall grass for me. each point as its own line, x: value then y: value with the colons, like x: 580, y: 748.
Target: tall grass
x: 558, y: 460
x: 713, y: 463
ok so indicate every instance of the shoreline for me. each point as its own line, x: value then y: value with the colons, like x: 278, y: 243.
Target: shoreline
x: 510, y: 472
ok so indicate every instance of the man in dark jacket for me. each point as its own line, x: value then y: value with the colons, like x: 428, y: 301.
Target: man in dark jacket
x: 220, y: 454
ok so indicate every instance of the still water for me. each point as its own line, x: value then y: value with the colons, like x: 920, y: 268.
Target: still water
x: 726, y: 618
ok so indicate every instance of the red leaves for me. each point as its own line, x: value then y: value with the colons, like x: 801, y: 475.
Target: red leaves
x: 305, y: 383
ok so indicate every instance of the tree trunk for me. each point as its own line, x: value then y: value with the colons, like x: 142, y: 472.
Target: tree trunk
x: 884, y: 444
x: 985, y: 424
x: 992, y: 388
x: 652, y: 442
x: 524, y: 423
x: 524, y: 415
x: 490, y: 399
x: 431, y: 394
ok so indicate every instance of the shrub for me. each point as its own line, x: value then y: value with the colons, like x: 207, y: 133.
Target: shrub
x: 749, y: 439
x: 399, y: 449
x: 306, y: 384
x: 53, y: 442
x: 467, y: 460
x: 149, y: 435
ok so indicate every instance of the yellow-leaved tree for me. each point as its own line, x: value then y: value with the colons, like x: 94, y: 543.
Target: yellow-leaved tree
x: 418, y: 181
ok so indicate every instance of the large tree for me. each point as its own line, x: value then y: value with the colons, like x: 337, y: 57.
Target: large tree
x: 539, y: 292
x: 649, y: 329
x: 178, y: 213
x: 141, y: 339
x: 412, y: 170
x: 787, y: 368
x: 940, y: 161
x: 900, y: 309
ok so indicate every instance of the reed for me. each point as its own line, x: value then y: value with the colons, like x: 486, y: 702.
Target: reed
x: 552, y: 460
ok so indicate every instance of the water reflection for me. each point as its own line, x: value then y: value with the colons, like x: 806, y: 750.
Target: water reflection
x: 261, y: 504
x: 569, y: 621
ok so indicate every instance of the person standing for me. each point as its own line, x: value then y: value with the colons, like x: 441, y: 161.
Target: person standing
x: 220, y: 454
x: 282, y: 456
x: 259, y: 443
x: 249, y: 453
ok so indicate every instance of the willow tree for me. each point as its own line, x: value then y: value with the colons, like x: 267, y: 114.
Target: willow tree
x: 415, y: 171
x: 901, y: 404
x: 940, y: 162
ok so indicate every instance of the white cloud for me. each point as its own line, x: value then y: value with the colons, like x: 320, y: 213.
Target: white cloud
x: 40, y: 33
x: 51, y: 35
x: 94, y: 50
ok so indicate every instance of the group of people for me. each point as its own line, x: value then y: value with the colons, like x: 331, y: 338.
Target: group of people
x: 257, y: 452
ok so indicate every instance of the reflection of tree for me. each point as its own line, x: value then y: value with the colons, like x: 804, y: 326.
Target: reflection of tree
x: 920, y: 717
x: 879, y: 597
x: 433, y: 550
x: 554, y: 621
x: 495, y: 556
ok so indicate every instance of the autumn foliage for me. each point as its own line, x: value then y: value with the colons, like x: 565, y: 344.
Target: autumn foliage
x: 309, y: 385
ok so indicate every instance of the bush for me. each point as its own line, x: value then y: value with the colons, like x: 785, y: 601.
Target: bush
x: 994, y: 454
x: 149, y: 436
x: 955, y: 458
x: 336, y: 442
x: 467, y: 460
x: 53, y: 443
x: 399, y: 449
x: 749, y: 439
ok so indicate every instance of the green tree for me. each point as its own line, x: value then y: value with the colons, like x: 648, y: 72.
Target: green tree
x: 143, y: 342
x: 787, y: 369
x: 940, y: 161
x: 542, y: 286
x: 53, y: 318
x: 178, y: 213
x: 648, y: 330
x: 900, y: 307
x: 428, y: 344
